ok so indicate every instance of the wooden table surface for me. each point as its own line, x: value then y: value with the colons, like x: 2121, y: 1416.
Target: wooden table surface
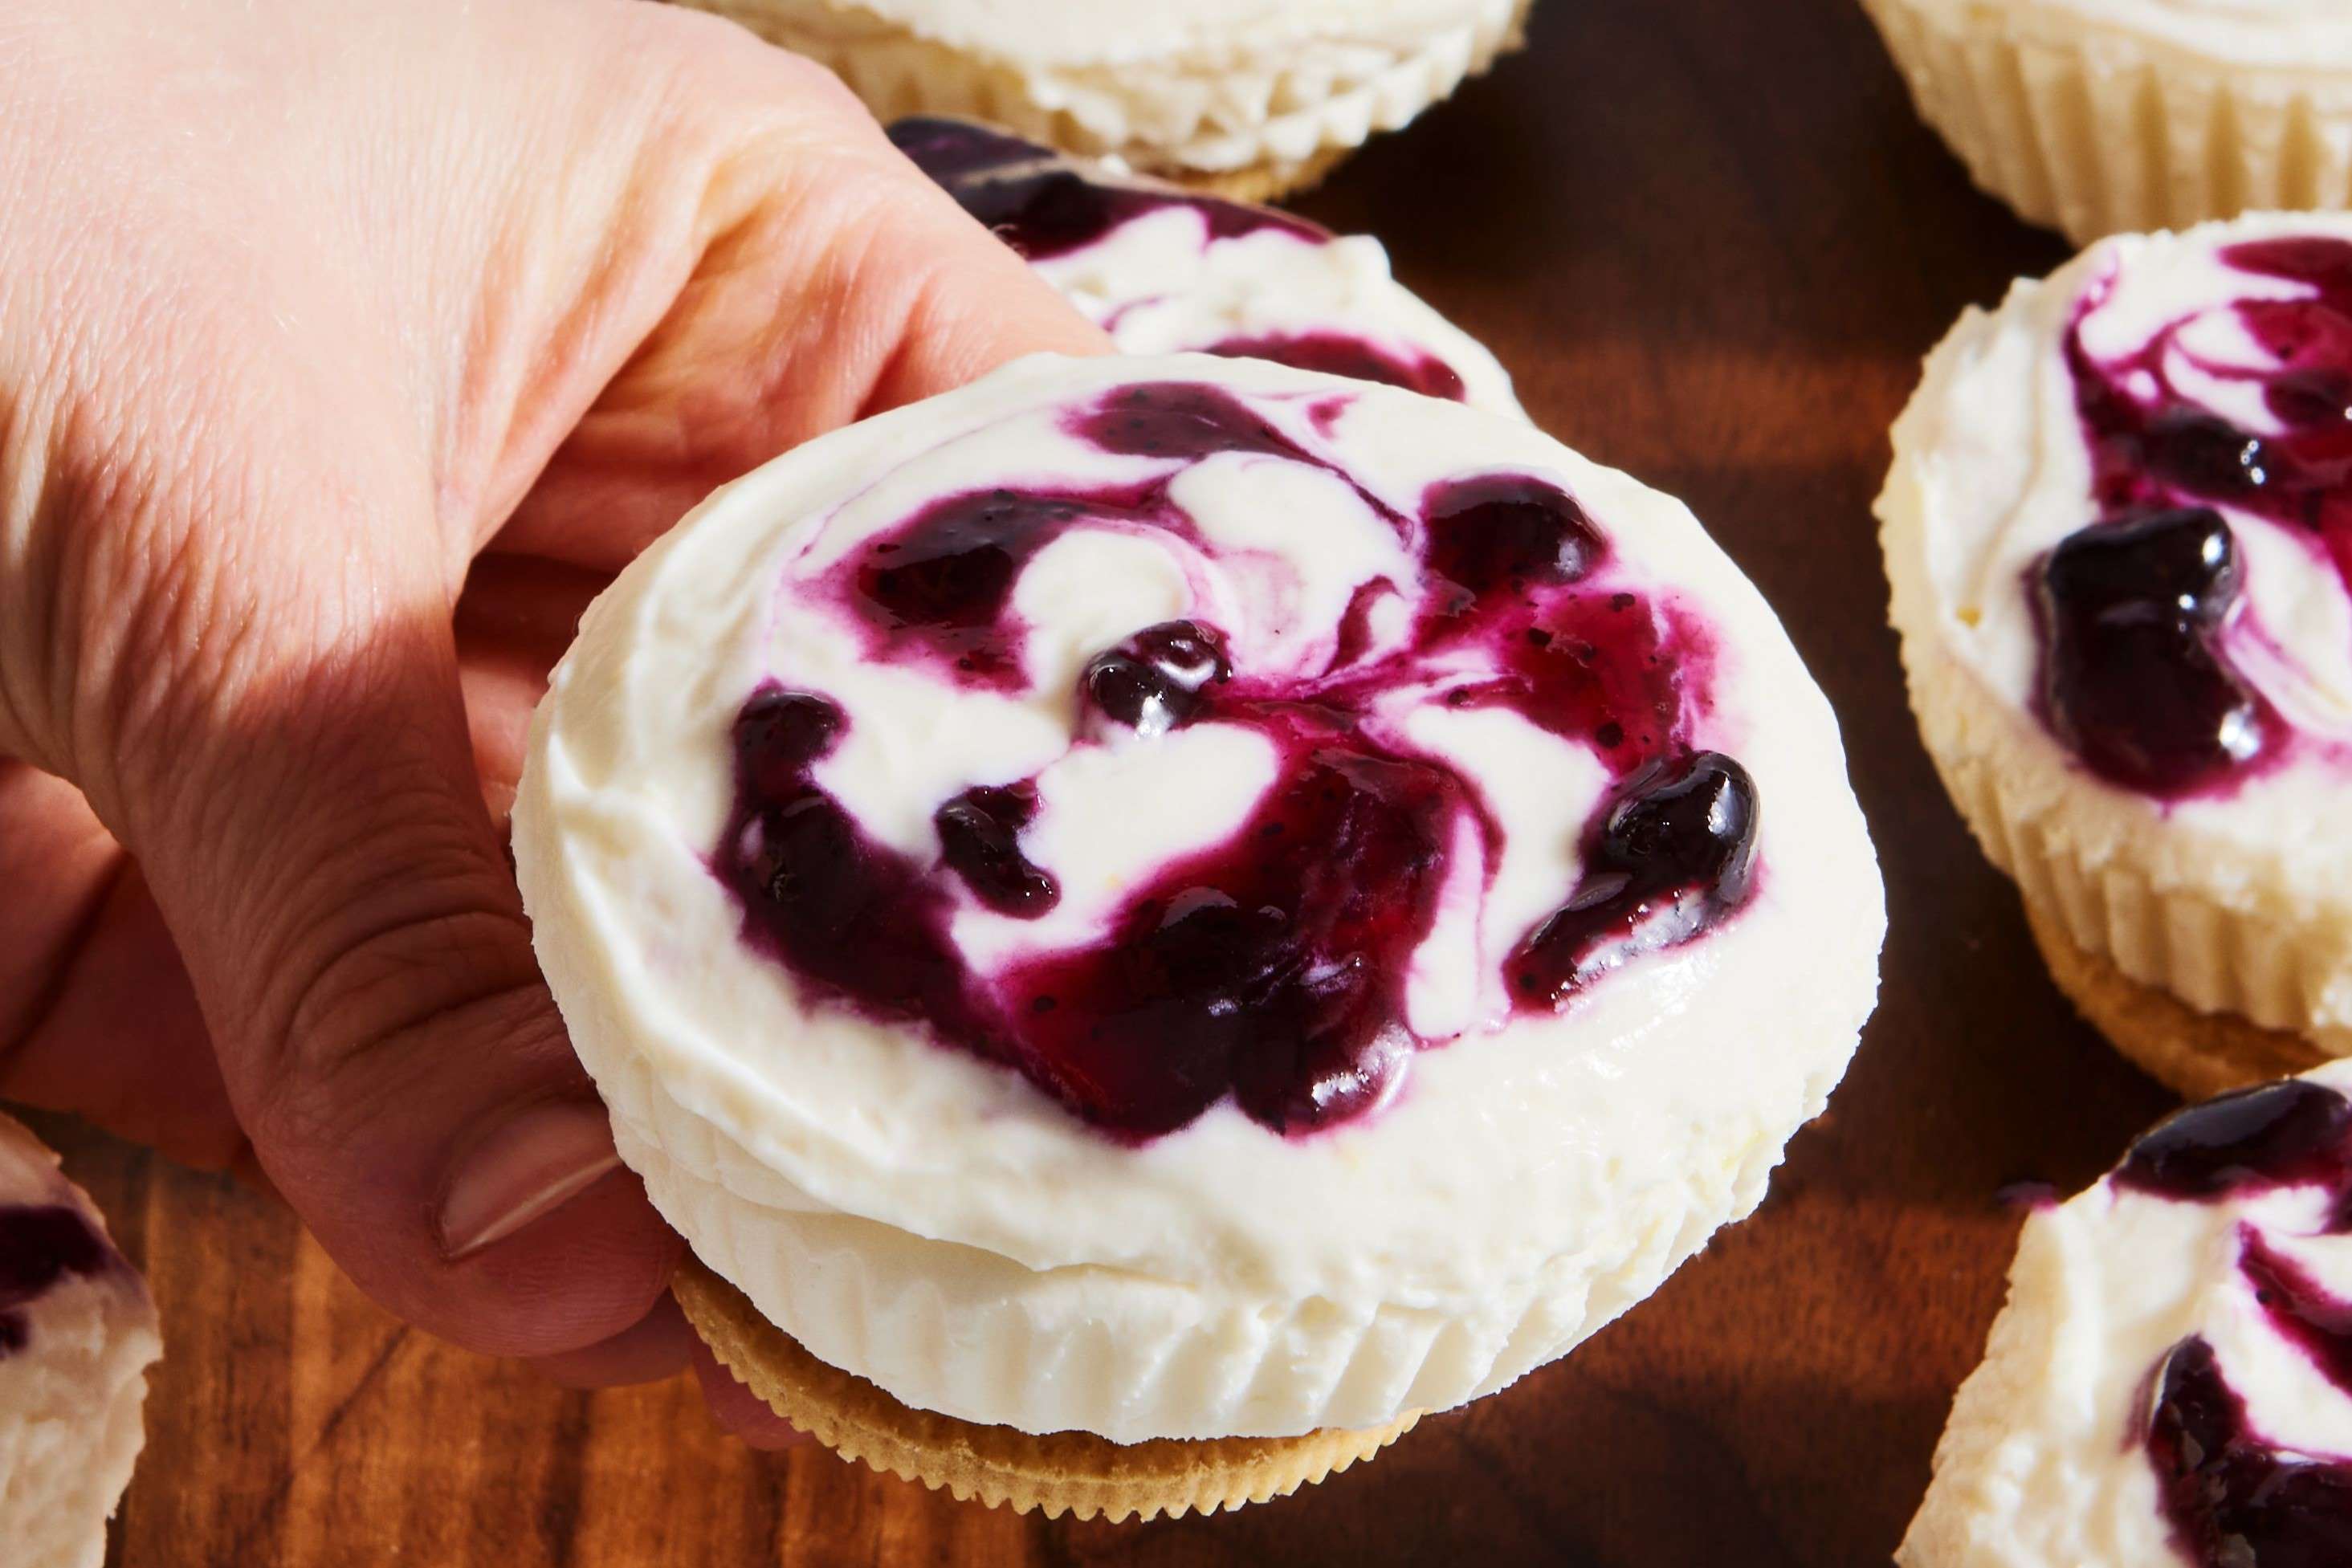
x: 1712, y: 243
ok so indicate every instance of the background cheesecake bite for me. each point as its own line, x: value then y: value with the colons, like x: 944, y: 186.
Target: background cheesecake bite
x: 2171, y: 1381
x: 2119, y: 535
x: 1185, y: 899
x: 76, y: 1336
x: 1166, y: 270
x: 1244, y: 98
x: 2102, y: 117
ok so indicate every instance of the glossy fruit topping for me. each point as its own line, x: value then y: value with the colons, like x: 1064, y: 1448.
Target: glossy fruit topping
x: 2273, y: 1134
x: 1268, y: 968
x: 1673, y: 854
x: 1159, y: 679
x: 2134, y: 678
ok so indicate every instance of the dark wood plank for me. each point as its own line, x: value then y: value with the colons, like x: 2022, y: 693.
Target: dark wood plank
x: 1713, y: 242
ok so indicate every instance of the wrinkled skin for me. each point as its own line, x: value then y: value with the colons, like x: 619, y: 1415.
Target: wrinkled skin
x: 345, y: 350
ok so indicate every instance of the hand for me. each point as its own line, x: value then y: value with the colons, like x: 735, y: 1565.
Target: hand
x: 308, y: 315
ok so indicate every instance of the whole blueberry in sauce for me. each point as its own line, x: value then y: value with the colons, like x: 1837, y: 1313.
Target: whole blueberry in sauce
x: 1267, y: 969
x: 1673, y: 854
x: 1159, y: 679
x: 1506, y: 532
x: 2133, y: 674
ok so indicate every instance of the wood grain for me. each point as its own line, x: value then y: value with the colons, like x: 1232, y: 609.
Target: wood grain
x: 1713, y: 242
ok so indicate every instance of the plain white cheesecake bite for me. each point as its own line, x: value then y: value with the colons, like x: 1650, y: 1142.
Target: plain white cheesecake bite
x: 1164, y: 270
x: 2119, y: 534
x: 2170, y: 1382
x: 1184, y: 898
x: 78, y: 1334
x: 2102, y: 117
x: 1254, y: 95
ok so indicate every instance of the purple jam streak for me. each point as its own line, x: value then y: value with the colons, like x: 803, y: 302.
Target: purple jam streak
x: 1344, y: 354
x: 940, y: 584
x: 1045, y: 203
x: 1185, y: 420
x: 40, y: 1246
x: 2150, y: 702
x: 2299, y: 1307
x: 2234, y: 1501
x: 1268, y: 968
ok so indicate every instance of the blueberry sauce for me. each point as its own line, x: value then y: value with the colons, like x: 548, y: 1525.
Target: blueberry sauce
x: 1045, y: 203
x: 1272, y: 966
x: 1268, y: 968
x: 2234, y: 1499
x: 41, y: 1245
x: 2290, y: 1133
x: 2151, y: 703
x: 1345, y: 354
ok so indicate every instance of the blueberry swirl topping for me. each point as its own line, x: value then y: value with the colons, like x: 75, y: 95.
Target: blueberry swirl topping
x: 1269, y: 968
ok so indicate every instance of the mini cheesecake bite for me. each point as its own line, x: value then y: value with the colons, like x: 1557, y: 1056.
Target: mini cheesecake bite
x: 2171, y: 1381
x: 2119, y: 530
x: 1241, y: 98
x: 2102, y: 117
x: 78, y: 1334
x: 1153, y: 919
x: 1167, y: 270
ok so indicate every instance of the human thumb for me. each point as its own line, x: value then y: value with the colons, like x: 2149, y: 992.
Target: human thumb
x: 319, y: 844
